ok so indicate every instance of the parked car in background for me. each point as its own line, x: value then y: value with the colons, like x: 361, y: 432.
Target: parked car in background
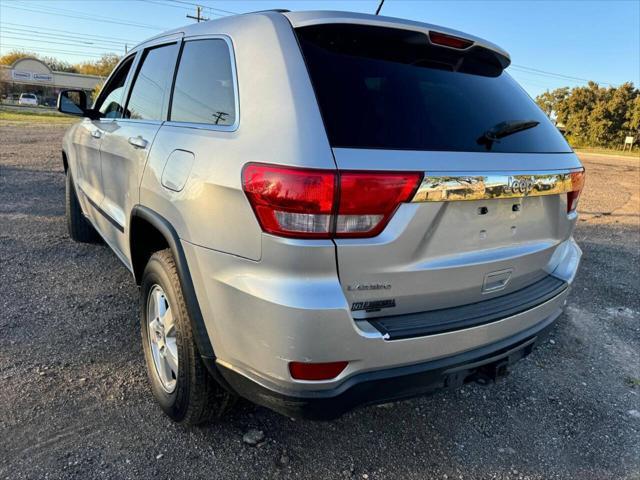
x: 324, y: 209
x: 49, y: 101
x: 28, y: 99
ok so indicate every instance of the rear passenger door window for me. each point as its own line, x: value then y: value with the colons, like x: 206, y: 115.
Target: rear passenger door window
x: 204, y: 90
x: 150, y: 91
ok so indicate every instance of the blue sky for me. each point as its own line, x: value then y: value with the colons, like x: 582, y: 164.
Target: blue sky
x: 591, y: 39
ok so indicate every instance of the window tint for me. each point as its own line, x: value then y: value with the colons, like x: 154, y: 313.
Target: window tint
x: 111, y: 100
x: 151, y: 86
x: 203, y: 91
x: 389, y: 88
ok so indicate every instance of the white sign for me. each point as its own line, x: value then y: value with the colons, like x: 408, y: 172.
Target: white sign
x: 43, y: 77
x: 25, y: 76
x: 20, y: 75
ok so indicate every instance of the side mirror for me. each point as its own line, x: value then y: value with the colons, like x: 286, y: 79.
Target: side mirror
x: 74, y: 102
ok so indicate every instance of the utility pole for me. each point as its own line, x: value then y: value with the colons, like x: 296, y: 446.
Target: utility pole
x: 198, y: 16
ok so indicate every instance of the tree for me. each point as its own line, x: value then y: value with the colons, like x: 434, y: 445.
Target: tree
x: 593, y: 115
x: 633, y: 116
x: 550, y: 102
x: 96, y: 91
x: 101, y: 67
x: 13, y: 55
x: 59, y: 65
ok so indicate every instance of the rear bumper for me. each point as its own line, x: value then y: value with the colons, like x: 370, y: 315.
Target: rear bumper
x: 481, y: 364
x: 295, y: 310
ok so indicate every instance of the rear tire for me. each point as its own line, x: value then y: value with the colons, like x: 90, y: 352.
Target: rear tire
x: 189, y: 395
x: 80, y: 230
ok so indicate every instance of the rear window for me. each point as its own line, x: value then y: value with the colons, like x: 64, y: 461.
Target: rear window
x: 388, y: 88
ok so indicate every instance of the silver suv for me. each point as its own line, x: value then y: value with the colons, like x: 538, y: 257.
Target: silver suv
x: 324, y: 209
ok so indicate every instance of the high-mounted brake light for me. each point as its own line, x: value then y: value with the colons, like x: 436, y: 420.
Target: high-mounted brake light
x: 577, y: 184
x: 316, y: 371
x: 449, y: 40
x: 309, y: 203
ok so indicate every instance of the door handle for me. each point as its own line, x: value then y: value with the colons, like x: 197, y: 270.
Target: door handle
x: 138, y: 142
x: 96, y: 133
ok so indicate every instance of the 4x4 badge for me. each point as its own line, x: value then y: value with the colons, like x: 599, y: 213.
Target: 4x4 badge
x: 368, y: 286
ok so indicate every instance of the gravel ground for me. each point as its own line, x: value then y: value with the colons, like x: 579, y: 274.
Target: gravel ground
x: 75, y: 401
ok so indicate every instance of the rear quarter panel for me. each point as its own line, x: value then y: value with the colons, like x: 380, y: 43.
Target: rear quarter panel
x: 279, y: 123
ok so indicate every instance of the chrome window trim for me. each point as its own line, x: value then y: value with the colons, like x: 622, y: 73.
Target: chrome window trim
x: 135, y: 70
x: 157, y: 40
x: 234, y: 76
x: 456, y: 186
x: 138, y: 120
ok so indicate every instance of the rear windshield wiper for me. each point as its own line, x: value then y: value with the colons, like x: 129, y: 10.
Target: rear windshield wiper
x: 504, y: 129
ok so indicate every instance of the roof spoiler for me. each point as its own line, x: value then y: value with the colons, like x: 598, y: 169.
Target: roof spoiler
x: 434, y: 32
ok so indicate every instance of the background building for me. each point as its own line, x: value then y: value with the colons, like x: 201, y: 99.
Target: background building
x: 30, y: 75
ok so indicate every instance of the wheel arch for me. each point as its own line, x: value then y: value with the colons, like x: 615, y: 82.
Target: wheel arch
x: 150, y: 232
x: 65, y: 161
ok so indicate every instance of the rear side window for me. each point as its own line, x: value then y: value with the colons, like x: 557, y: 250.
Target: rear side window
x: 204, y: 88
x: 388, y: 88
x: 150, y: 92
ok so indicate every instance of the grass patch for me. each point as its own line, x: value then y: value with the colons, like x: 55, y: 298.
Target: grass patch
x: 609, y: 151
x: 10, y: 116
x: 632, y: 382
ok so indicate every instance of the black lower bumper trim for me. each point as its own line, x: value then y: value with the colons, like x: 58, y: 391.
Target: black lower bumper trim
x: 483, y: 364
x: 466, y: 316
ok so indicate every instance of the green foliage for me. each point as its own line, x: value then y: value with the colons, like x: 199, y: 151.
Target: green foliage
x: 59, y: 65
x: 96, y: 91
x: 593, y: 115
x: 101, y: 67
x: 13, y: 55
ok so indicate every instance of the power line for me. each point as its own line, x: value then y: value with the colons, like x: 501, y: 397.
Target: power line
x: 183, y: 8
x: 56, y: 43
x: 198, y: 17
x: 183, y: 2
x: 88, y: 18
x: 47, y: 50
x: 549, y: 73
x: 545, y: 73
x: 156, y: 2
x: 68, y: 32
x: 44, y: 36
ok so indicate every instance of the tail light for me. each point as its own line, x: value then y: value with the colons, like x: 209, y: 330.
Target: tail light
x: 291, y: 202
x: 309, y: 203
x: 577, y: 183
x: 316, y: 371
